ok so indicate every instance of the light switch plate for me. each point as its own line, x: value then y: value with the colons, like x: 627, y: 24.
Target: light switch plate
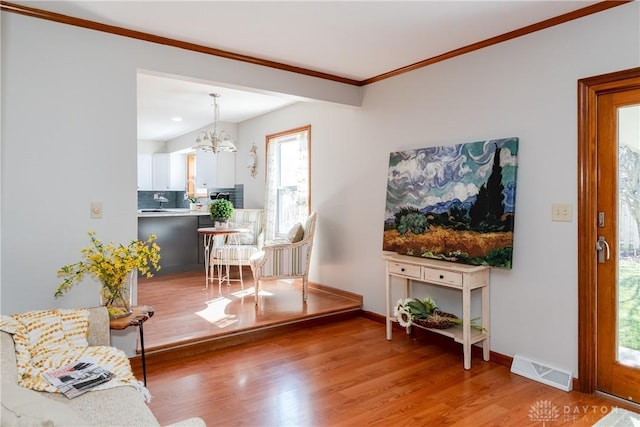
x: 561, y: 212
x: 96, y: 210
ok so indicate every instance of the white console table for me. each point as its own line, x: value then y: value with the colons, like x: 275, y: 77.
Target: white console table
x: 464, y: 278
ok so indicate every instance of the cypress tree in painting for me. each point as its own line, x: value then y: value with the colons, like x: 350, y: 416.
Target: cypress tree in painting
x: 494, y: 191
x: 489, y: 208
x: 478, y: 211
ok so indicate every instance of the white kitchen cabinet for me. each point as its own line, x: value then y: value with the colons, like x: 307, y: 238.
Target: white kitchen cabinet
x: 160, y: 173
x: 215, y: 170
x: 226, y: 170
x: 178, y: 172
x: 144, y: 172
x: 206, y: 169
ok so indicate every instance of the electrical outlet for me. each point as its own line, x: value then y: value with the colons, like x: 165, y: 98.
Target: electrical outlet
x: 96, y: 210
x: 561, y: 212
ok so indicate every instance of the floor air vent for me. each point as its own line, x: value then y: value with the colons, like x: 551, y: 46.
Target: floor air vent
x: 542, y: 373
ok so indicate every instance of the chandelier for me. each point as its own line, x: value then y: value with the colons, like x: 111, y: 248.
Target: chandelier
x: 215, y: 141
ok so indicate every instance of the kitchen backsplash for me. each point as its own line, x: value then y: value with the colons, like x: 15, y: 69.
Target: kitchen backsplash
x: 175, y: 199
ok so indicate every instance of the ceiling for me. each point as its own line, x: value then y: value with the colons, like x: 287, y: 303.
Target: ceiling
x: 350, y: 39
x: 161, y: 99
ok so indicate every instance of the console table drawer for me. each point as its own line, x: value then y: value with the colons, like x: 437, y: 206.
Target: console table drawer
x: 441, y: 276
x: 405, y: 269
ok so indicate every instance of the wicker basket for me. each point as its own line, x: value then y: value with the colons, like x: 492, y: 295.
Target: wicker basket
x: 438, y: 320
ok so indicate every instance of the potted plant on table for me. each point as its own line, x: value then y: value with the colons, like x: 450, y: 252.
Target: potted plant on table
x: 112, y: 265
x: 221, y: 210
x: 425, y: 312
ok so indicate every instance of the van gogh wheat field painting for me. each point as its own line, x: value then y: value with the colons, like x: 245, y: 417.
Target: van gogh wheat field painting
x: 454, y: 203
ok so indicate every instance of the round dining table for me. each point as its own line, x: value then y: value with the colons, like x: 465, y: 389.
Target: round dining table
x: 209, y: 236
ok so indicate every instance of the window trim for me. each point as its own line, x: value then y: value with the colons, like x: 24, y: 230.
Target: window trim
x: 282, y: 135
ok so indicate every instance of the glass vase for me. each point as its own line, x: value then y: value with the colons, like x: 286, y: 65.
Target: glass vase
x: 118, y: 297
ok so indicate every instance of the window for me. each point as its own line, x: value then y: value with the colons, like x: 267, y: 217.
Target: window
x: 192, y: 188
x: 191, y: 175
x: 288, y: 180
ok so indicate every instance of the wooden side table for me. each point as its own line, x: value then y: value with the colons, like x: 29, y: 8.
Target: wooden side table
x: 139, y: 315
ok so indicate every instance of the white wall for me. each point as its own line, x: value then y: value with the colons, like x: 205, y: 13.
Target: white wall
x: 69, y: 139
x: 83, y: 149
x: 146, y: 146
x: 526, y: 88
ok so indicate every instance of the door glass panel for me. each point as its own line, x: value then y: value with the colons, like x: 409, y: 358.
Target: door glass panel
x: 629, y: 236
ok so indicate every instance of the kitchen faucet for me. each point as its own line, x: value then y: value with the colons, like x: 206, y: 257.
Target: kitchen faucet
x: 160, y: 198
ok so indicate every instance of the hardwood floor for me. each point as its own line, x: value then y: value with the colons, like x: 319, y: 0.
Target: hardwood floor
x: 347, y: 374
x: 342, y: 373
x: 185, y: 312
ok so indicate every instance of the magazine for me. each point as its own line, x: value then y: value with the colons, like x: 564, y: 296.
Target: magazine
x: 78, y: 377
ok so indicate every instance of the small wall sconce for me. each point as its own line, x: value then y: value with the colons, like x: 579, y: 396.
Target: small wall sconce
x: 253, y: 161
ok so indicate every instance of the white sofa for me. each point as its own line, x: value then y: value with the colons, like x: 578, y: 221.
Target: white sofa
x: 119, y: 406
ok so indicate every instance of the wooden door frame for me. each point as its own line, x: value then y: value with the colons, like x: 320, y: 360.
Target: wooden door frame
x: 588, y: 91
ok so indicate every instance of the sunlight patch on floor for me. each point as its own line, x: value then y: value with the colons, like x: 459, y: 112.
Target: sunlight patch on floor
x: 251, y: 291
x: 215, y: 313
x: 243, y: 293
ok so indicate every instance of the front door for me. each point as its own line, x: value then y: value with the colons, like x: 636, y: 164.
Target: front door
x: 618, y: 245
x: 608, y: 234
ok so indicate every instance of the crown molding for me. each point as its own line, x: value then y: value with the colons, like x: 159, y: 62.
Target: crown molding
x: 84, y: 23
x: 92, y: 25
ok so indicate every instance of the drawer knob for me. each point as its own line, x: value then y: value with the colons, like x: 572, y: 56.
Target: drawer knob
x: 442, y: 276
x: 402, y: 269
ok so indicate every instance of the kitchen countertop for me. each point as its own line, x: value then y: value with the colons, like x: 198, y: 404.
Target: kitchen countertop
x: 146, y: 213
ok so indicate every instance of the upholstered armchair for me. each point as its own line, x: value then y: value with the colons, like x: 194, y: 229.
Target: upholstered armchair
x: 285, y: 260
